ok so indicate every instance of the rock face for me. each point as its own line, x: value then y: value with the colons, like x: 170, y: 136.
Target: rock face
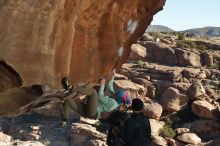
x: 189, y: 138
x: 188, y: 58
x: 153, y: 110
x: 138, y: 52
x: 172, y: 100
x: 203, y: 109
x: 45, y: 40
x: 160, y: 52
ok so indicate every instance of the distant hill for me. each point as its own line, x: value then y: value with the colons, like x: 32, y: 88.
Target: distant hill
x: 209, y: 31
x: 159, y: 28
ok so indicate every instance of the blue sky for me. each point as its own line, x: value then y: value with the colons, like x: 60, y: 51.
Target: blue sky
x: 186, y: 14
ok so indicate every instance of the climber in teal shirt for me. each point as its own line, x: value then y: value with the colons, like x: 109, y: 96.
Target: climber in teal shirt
x: 106, y: 101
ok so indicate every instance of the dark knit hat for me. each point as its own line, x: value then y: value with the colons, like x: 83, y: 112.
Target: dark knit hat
x: 137, y: 104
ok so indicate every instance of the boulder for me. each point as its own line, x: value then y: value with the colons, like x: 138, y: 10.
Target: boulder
x: 180, y: 131
x: 189, y: 138
x: 196, y: 90
x: 159, y: 141
x: 153, y: 110
x: 83, y: 134
x: 150, y: 88
x: 138, y: 52
x: 203, y: 109
x: 173, y: 142
x: 205, y: 127
x: 162, y: 72
x: 192, y: 73
x: 161, y: 86
x: 132, y: 89
x: 208, y: 59
x: 120, y: 77
x: 5, y: 138
x: 172, y: 100
x: 146, y: 37
x: 160, y: 52
x: 156, y: 126
x: 188, y: 58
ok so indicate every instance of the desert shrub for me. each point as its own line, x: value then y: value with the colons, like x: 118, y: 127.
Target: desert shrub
x: 181, y: 44
x: 191, y: 43
x: 140, y: 63
x: 202, y: 47
x: 186, y: 44
x: 155, y: 35
x: 167, y: 130
x: 181, y: 36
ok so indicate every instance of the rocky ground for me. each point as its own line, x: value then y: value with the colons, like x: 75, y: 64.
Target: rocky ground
x: 177, y: 76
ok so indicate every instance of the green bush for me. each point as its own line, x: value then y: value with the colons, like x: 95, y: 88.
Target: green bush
x: 140, y: 63
x: 181, y: 36
x: 155, y: 35
x: 167, y: 130
x: 181, y: 44
x: 186, y: 44
x: 191, y: 43
x: 202, y: 47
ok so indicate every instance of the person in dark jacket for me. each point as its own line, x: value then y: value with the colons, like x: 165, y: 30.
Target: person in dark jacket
x: 116, y: 122
x: 137, y: 130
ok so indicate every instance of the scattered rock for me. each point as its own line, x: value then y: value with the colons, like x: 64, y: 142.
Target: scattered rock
x: 153, y: 110
x: 188, y: 58
x: 132, y: 89
x: 208, y: 59
x: 172, y: 100
x: 196, y: 90
x: 189, y: 138
x: 138, y: 52
x: 84, y: 134
x: 180, y: 131
x: 150, y: 88
x: 5, y: 138
x: 120, y: 77
x: 205, y: 128
x: 156, y: 126
x: 203, y: 109
x: 173, y: 142
x: 161, y: 53
x: 158, y: 140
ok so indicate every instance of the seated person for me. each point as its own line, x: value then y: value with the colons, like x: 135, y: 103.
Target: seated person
x: 87, y: 108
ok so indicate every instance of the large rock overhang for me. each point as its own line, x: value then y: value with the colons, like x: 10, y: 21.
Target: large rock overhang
x: 45, y: 40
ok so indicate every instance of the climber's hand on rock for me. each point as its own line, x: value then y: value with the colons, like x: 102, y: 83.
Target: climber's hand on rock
x: 102, y: 81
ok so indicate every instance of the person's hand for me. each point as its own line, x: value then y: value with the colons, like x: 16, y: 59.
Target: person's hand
x: 122, y: 107
x: 102, y: 81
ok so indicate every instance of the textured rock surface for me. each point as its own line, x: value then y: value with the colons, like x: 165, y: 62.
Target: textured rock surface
x: 138, y: 52
x: 203, y: 109
x: 45, y: 40
x: 153, y: 110
x: 173, y: 100
x: 189, y: 138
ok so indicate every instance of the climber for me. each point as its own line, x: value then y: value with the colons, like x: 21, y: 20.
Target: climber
x: 105, y: 101
x: 87, y: 107
x: 109, y: 100
x: 137, y: 130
